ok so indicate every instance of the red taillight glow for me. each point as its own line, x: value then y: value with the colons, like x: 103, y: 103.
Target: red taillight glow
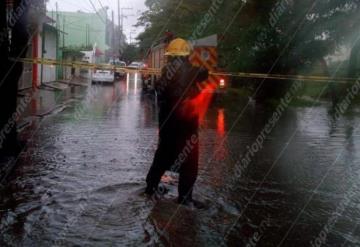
x: 222, y: 83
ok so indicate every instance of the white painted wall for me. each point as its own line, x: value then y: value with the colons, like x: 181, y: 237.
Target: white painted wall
x: 25, y: 80
x: 49, y: 71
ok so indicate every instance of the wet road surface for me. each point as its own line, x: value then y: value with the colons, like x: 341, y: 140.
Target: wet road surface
x: 80, y: 181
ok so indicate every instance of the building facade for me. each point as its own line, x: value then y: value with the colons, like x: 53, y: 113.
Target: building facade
x: 80, y: 29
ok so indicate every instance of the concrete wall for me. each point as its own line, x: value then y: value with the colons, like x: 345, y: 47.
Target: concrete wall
x: 49, y: 38
x: 26, y: 77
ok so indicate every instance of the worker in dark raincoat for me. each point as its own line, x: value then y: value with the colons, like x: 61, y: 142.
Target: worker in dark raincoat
x: 178, y: 147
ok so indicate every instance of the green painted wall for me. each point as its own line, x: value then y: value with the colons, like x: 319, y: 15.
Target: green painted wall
x: 76, y: 25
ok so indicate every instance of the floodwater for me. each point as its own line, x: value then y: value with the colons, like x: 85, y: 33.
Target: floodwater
x: 80, y: 181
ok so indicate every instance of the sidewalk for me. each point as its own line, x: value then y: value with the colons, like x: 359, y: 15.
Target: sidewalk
x: 33, y: 105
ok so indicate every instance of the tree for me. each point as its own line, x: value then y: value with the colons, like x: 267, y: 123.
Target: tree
x: 166, y: 15
x: 131, y: 53
x: 272, y: 36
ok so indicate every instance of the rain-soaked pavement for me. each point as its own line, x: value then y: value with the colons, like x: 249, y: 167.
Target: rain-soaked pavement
x: 80, y: 181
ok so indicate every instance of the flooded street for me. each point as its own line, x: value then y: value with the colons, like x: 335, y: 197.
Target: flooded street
x: 81, y: 179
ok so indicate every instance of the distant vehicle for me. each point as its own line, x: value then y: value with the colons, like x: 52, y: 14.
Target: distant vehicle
x: 103, y: 75
x: 118, y: 64
x: 137, y: 65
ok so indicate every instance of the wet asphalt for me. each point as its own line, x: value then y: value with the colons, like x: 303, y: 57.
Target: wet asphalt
x: 80, y: 180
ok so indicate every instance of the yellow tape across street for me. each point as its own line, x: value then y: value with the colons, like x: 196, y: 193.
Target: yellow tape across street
x: 287, y: 77
x: 156, y: 71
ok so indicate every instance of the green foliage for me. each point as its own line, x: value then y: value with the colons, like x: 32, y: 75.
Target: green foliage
x: 131, y: 53
x: 180, y: 18
x: 284, y: 36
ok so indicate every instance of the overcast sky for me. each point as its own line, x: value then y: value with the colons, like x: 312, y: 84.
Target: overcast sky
x: 84, y: 5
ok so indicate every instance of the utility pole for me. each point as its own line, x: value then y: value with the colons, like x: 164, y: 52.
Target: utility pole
x: 124, y: 16
x: 113, y: 34
x: 64, y: 32
x: 57, y: 38
x: 88, y: 43
x: 119, y: 23
x: 86, y: 35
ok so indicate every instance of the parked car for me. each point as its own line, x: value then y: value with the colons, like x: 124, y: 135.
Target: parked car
x: 137, y: 65
x: 103, y: 75
x: 118, y: 64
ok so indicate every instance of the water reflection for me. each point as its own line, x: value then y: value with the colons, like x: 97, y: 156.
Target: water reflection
x: 100, y: 163
x: 221, y: 122
x: 133, y: 83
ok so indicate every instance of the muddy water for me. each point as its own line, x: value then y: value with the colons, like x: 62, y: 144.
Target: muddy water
x: 80, y: 181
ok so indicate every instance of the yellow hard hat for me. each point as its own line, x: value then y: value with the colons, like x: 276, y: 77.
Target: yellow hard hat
x: 178, y: 47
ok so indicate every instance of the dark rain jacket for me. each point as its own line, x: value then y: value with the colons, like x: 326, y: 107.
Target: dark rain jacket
x: 178, y: 84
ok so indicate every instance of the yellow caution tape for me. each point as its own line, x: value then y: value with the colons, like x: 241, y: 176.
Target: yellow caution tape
x: 286, y: 77
x: 156, y: 71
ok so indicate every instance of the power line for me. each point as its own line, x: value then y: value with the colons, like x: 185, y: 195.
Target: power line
x: 102, y: 7
x: 75, y: 4
x: 108, y: 1
x: 96, y: 12
x: 100, y: 4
